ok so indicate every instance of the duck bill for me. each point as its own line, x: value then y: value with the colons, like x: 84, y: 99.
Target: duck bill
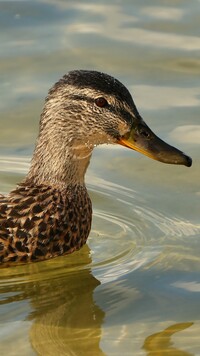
x: 142, y: 139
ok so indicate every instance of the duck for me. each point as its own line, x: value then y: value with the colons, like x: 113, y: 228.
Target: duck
x: 49, y: 213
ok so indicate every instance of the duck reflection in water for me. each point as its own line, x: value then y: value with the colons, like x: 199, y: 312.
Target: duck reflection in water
x: 160, y: 344
x: 66, y: 319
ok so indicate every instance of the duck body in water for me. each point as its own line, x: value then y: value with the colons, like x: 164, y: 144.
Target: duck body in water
x: 50, y: 212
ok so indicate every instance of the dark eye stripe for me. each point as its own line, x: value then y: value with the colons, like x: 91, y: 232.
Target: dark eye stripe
x: 121, y: 112
x: 80, y: 97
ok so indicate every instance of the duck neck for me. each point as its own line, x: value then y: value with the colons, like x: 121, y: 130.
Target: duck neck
x: 59, y: 166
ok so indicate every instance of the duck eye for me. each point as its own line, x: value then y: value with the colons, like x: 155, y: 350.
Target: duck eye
x: 101, y: 102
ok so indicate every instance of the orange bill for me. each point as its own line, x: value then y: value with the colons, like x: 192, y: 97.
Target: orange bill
x: 142, y: 139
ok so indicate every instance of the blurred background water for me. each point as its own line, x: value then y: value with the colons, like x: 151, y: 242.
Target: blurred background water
x: 134, y: 289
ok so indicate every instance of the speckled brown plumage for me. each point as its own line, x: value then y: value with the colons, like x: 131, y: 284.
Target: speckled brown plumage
x: 50, y: 212
x: 40, y: 222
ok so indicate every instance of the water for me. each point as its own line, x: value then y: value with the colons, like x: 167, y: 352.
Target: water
x: 134, y: 288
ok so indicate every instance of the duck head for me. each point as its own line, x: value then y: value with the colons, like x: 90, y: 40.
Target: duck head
x: 85, y: 109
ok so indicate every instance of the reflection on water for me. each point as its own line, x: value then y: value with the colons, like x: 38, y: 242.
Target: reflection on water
x: 66, y: 320
x: 160, y: 344
x: 72, y: 327
x: 139, y: 272
x: 157, y: 97
x: 187, y: 133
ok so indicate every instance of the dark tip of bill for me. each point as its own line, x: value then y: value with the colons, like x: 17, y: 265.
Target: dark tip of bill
x: 188, y: 161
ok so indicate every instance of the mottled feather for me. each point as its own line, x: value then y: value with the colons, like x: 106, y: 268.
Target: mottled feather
x: 40, y: 222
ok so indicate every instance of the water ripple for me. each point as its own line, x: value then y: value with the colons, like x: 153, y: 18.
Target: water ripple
x: 132, y: 234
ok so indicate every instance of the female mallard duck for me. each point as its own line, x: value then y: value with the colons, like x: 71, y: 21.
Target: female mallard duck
x: 50, y: 212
